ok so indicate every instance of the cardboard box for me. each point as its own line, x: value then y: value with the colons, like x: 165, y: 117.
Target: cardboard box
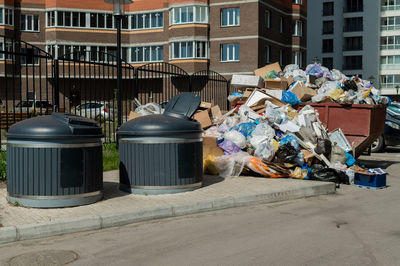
x: 133, y: 115
x: 210, y: 147
x: 273, y: 84
x: 246, y: 81
x: 203, y: 118
x: 262, y: 72
x: 258, y: 97
x: 247, y: 93
x: 205, y: 105
x: 216, y: 114
x: 303, y: 92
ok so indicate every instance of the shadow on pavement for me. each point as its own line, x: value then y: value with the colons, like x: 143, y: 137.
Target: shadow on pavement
x: 376, y: 163
x: 111, y: 190
x: 209, y: 180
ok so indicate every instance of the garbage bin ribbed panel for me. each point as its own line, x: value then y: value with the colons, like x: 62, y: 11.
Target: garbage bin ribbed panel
x: 160, y: 154
x: 36, y: 172
x: 160, y: 164
x: 54, y: 161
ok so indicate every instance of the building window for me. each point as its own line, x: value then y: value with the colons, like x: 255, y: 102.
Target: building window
x: 389, y: 5
x: 328, y: 9
x: 353, y: 62
x: 6, y: 16
x: 9, y: 49
x: 66, y: 19
x: 327, y: 62
x: 268, y: 19
x: 327, y: 27
x: 230, y: 17
x: 281, y: 52
x: 30, y: 56
x: 147, y: 21
x: 353, y: 24
x: 354, y: 6
x: 327, y: 46
x: 390, y: 23
x: 297, y: 2
x: 281, y: 23
x: 390, y: 60
x: 298, y: 28
x: 267, y: 54
x: 297, y: 58
x: 29, y: 22
x: 353, y: 43
x: 390, y: 42
x: 230, y: 52
x: 189, y: 14
x: 185, y: 50
x: 390, y: 81
x: 147, y: 54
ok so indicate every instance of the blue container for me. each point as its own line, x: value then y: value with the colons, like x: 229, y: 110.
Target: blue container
x: 371, y: 181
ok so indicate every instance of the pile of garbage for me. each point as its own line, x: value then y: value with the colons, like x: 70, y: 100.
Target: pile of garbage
x: 264, y: 135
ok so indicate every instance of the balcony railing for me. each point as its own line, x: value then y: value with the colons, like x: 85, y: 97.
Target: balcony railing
x: 390, y: 67
x: 390, y: 47
x: 390, y: 8
x: 389, y: 85
x: 390, y: 27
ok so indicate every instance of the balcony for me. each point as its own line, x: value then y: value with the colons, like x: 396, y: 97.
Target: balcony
x: 389, y: 85
x: 390, y: 67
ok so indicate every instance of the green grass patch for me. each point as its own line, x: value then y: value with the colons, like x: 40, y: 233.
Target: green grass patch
x: 110, y: 157
x: 3, y: 165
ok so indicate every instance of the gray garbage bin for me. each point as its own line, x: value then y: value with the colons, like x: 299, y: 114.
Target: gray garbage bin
x: 54, y: 161
x: 162, y: 153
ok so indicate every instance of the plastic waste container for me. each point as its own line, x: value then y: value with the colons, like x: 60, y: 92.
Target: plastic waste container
x: 54, y: 161
x: 162, y: 153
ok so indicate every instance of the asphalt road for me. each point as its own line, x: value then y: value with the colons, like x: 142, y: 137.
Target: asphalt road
x: 356, y: 226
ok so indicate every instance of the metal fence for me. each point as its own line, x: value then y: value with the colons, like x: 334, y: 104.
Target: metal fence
x: 85, y: 83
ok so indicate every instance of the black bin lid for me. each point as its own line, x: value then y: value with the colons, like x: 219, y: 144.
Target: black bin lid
x: 158, y: 126
x: 55, y: 126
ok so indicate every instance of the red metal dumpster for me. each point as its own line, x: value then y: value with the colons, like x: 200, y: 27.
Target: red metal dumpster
x: 361, y: 123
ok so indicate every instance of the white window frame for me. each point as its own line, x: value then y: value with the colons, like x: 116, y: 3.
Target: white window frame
x: 30, y: 17
x: 7, y: 10
x: 297, y: 58
x: 137, y: 16
x: 267, y: 54
x: 196, y: 20
x: 194, y: 49
x: 298, y: 28
x: 297, y: 2
x: 268, y: 19
x: 234, y: 46
x: 151, y: 59
x: 234, y: 10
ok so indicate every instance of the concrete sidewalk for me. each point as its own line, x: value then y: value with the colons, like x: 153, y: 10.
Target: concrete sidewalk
x: 119, y: 208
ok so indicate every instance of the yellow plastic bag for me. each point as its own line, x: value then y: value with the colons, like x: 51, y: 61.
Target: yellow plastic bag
x: 299, y: 173
x: 275, y: 144
x: 336, y: 94
x: 209, y: 167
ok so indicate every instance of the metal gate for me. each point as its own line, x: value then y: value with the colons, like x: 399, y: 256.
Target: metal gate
x: 87, y: 86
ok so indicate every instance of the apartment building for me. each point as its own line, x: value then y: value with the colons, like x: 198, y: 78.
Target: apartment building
x: 359, y: 37
x: 229, y: 37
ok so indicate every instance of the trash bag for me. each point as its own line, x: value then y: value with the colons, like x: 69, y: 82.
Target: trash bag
x: 350, y: 161
x: 292, y: 140
x: 299, y: 173
x: 338, y: 155
x: 263, y: 129
x: 336, y: 94
x: 315, y: 70
x: 257, y: 166
x: 271, y: 75
x: 209, y: 167
x: 229, y: 147
x: 236, y: 137
x: 245, y: 128
x: 324, y: 146
x: 320, y: 173
x: 149, y: 109
x: 231, y: 165
x: 286, y: 154
x: 350, y: 85
x: 265, y: 151
x: 290, y: 98
x: 212, y: 132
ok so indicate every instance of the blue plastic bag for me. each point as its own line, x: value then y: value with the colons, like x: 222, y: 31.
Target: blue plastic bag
x: 291, y: 140
x: 245, y: 128
x: 350, y: 161
x: 237, y: 94
x: 290, y: 98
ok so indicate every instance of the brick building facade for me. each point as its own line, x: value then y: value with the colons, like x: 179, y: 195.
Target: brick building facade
x: 225, y: 36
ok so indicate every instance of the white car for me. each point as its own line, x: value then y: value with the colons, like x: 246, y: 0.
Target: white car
x: 94, y: 110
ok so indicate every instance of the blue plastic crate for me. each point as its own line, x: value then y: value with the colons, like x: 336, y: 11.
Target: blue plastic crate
x: 374, y: 181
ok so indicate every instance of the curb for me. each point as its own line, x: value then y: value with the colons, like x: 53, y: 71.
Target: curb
x: 95, y: 222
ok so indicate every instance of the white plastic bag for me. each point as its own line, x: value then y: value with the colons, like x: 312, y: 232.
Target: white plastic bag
x: 149, y: 109
x: 265, y: 151
x: 236, y: 137
x: 231, y: 165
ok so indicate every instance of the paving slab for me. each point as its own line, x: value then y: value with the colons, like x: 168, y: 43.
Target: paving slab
x: 119, y: 208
